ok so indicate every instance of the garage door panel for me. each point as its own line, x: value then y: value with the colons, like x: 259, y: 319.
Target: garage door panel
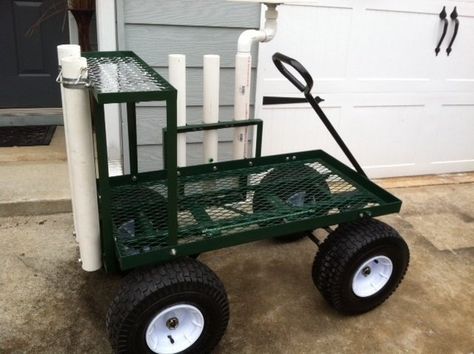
x: 312, y: 39
x: 385, y: 135
x: 451, y: 166
x: 307, y: 132
x: 452, y: 146
x: 395, y: 45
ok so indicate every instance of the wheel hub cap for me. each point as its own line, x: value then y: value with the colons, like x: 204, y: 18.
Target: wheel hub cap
x: 372, y: 276
x: 174, y: 329
x: 172, y: 323
x: 366, y: 271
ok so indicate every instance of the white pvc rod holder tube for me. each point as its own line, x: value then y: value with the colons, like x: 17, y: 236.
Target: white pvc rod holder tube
x: 68, y: 50
x: 177, y: 78
x: 243, y: 76
x: 243, y: 62
x: 82, y: 165
x: 211, y: 106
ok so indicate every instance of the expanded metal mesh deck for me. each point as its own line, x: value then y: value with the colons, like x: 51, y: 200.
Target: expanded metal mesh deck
x: 224, y: 203
x: 122, y: 77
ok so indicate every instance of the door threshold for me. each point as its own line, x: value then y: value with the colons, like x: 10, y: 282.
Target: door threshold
x: 31, y: 116
x: 22, y: 112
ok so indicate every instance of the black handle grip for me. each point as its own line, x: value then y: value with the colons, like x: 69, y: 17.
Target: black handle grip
x: 442, y: 16
x: 280, y: 59
x: 454, y: 17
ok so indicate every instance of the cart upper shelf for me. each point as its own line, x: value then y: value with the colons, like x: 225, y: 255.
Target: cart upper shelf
x: 117, y: 77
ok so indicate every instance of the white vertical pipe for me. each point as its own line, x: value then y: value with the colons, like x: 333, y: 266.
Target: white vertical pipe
x: 243, y: 72
x: 68, y: 50
x: 82, y: 165
x: 177, y: 78
x: 211, y: 105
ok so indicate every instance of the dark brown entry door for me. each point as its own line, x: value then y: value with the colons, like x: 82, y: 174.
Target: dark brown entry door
x: 28, y: 62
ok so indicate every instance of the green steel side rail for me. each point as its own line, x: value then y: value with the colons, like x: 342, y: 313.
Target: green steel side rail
x: 189, y: 128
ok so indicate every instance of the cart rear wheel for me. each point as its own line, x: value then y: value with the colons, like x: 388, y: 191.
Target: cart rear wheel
x: 177, y: 307
x: 360, y: 265
x: 298, y: 194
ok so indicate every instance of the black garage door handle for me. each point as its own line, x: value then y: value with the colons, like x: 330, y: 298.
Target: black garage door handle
x: 454, y: 17
x: 442, y: 16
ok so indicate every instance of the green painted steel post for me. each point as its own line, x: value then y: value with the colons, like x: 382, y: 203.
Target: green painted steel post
x: 165, y: 141
x: 132, y: 137
x: 106, y: 228
x: 172, y: 168
x: 258, y: 150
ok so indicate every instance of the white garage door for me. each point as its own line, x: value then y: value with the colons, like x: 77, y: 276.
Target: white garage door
x: 401, y: 109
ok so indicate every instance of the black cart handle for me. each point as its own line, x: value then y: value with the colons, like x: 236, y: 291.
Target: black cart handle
x: 280, y: 59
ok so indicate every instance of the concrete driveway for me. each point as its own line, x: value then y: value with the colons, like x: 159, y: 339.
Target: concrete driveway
x: 47, y: 304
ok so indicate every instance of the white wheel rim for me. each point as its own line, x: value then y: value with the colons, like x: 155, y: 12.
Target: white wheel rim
x: 372, y: 276
x: 174, y: 329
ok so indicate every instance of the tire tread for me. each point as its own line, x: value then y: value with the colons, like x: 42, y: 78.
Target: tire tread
x: 336, y: 252
x: 141, y: 285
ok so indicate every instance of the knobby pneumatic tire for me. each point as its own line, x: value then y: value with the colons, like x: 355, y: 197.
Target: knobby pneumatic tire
x: 177, y: 307
x: 360, y: 265
x: 277, y: 180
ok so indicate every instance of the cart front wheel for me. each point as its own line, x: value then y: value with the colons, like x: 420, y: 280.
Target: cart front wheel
x: 177, y: 307
x: 360, y: 265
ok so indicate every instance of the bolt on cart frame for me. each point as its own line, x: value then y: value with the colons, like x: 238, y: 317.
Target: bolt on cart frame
x: 158, y: 216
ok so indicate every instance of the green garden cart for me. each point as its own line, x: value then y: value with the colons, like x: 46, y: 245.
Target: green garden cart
x: 154, y: 225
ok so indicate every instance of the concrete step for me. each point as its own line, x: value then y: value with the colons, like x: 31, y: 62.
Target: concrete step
x: 31, y: 116
x: 34, y: 188
x: 34, y: 179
